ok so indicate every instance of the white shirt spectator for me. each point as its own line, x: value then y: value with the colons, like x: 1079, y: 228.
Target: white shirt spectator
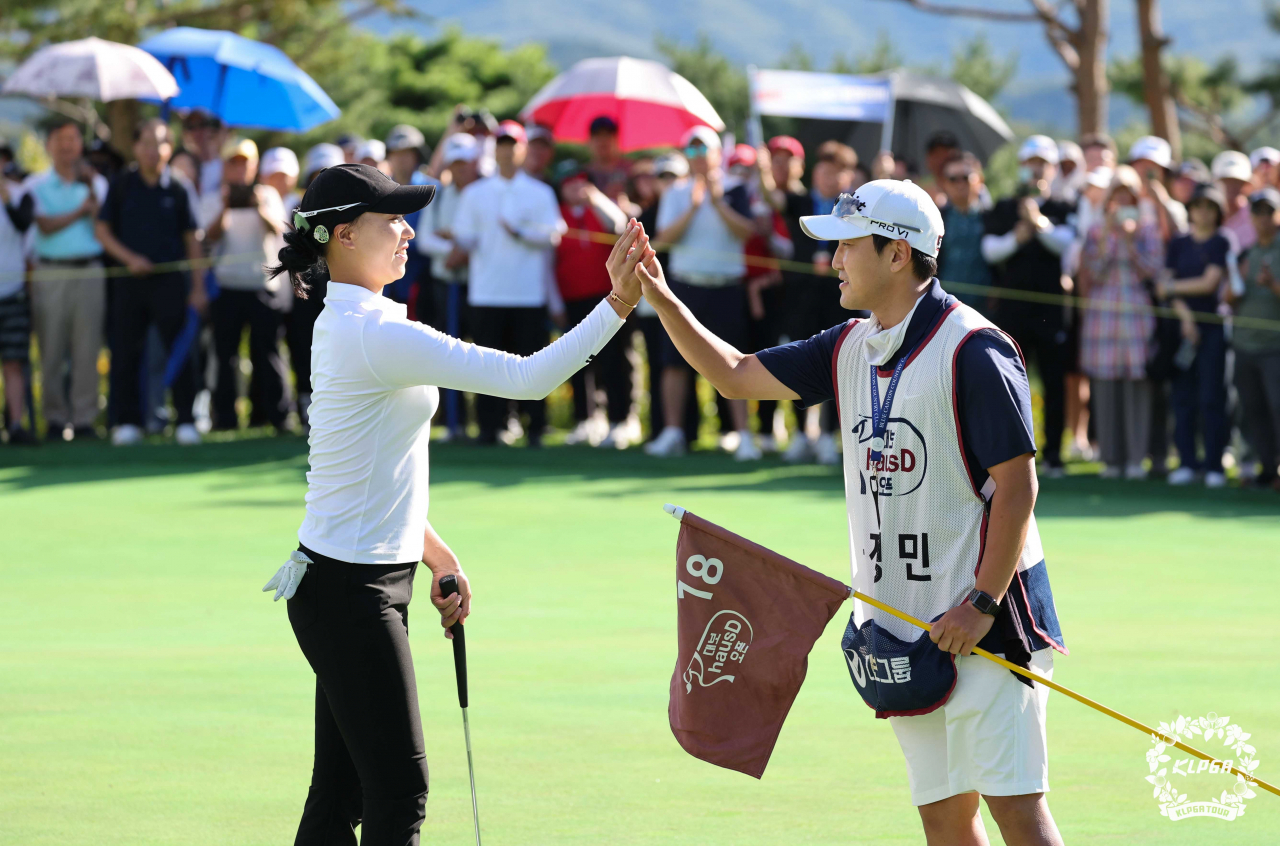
x: 376, y: 375
x: 248, y: 244
x: 708, y: 251
x: 439, y: 216
x: 508, y: 270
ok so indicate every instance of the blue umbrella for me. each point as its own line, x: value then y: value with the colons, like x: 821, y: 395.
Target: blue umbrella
x: 244, y: 82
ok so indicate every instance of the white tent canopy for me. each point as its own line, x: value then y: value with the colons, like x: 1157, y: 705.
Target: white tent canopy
x: 909, y: 107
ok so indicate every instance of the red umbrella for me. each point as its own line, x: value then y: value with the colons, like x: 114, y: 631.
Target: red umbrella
x: 652, y: 104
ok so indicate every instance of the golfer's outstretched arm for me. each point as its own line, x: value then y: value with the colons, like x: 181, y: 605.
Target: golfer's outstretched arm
x: 734, y: 375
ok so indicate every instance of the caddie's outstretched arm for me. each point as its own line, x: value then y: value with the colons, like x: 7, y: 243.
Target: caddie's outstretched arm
x: 734, y: 375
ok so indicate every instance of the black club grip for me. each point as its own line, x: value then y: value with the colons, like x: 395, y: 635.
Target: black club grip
x: 448, y: 587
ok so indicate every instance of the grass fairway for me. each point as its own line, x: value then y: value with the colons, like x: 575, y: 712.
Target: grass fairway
x: 149, y: 694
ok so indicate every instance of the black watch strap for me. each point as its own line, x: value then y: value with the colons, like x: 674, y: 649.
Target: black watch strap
x: 984, y: 602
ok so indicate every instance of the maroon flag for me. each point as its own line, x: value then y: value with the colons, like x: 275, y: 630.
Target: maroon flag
x: 747, y: 620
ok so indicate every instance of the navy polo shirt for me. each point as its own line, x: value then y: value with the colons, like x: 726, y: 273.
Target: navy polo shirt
x: 992, y: 390
x: 151, y: 220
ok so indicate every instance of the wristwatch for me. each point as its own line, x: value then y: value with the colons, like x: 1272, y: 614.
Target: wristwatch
x: 984, y: 602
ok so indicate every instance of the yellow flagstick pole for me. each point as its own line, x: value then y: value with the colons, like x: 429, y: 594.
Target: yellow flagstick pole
x: 1097, y: 706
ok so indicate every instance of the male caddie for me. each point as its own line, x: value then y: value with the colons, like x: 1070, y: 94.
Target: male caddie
x: 939, y: 464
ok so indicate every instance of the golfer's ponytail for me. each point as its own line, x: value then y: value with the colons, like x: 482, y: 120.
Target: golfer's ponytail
x: 302, y: 259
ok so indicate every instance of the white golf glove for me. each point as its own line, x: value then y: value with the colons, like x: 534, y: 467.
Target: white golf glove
x: 287, y: 578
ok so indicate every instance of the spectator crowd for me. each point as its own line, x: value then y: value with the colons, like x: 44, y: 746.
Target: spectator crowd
x: 160, y: 264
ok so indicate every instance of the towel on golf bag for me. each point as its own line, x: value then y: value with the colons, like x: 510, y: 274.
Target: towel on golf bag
x: 747, y: 620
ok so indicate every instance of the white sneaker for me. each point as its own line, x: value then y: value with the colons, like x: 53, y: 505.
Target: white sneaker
x: 669, y: 444
x: 1215, y: 480
x: 581, y: 434
x: 824, y: 449
x: 799, y: 451
x: 126, y: 434
x: 747, y: 449
x: 730, y: 441
x: 1050, y: 471
x: 1111, y: 471
x: 619, y: 437
x: 1182, y: 476
x: 187, y: 434
x: 768, y: 444
x: 1135, y: 472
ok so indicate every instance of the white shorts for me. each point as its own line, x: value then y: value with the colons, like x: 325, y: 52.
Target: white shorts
x: 988, y: 737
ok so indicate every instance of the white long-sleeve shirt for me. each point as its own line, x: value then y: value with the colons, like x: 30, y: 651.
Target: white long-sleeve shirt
x: 374, y: 380
x: 439, y: 217
x: 508, y: 270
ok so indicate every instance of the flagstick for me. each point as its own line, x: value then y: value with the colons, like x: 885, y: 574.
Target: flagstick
x: 1069, y: 692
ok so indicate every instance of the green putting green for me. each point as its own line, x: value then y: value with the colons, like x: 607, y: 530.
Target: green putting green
x: 150, y: 694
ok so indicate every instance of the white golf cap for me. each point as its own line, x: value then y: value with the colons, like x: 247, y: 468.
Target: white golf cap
x: 279, y: 160
x: 1231, y: 164
x: 323, y: 155
x: 1264, y: 154
x: 461, y: 147
x: 704, y: 135
x: 1039, y: 147
x: 371, y: 149
x: 672, y: 163
x: 1100, y: 177
x: 1152, y: 148
x: 889, y: 207
x: 1069, y: 151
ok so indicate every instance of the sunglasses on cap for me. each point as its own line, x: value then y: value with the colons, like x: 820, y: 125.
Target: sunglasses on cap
x: 849, y: 208
x: 301, y: 223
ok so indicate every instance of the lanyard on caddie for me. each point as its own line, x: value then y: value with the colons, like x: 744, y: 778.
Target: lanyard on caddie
x: 880, y: 422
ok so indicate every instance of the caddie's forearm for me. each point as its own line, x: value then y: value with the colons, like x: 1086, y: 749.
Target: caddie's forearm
x: 1007, y: 526
x: 705, y: 352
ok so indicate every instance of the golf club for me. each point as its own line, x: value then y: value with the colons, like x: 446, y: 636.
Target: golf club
x: 448, y: 587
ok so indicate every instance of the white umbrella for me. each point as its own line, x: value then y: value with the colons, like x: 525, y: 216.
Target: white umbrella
x: 94, y: 69
x: 651, y: 104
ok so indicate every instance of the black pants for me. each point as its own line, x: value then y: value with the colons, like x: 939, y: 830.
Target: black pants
x: 269, y: 392
x: 139, y: 303
x: 518, y: 330
x: 1046, y: 345
x: 1257, y: 379
x: 610, y: 369
x: 352, y: 622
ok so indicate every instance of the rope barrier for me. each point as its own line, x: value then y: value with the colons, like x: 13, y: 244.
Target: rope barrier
x: 804, y: 268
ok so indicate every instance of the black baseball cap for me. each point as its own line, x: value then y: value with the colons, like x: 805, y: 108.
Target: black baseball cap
x: 603, y: 123
x: 341, y: 193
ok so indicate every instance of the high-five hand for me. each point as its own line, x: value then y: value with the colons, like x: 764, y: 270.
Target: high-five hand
x: 626, y: 253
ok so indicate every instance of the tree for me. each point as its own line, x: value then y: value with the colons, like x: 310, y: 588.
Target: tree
x: 317, y: 34
x: 420, y: 82
x: 975, y: 66
x: 723, y: 83
x: 882, y: 57
x: 1080, y: 41
x: 1156, y: 89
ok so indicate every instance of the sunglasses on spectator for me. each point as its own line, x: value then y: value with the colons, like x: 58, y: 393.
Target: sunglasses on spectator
x: 959, y: 177
x: 695, y: 150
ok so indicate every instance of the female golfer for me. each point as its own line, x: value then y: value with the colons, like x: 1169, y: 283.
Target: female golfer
x: 374, y: 379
